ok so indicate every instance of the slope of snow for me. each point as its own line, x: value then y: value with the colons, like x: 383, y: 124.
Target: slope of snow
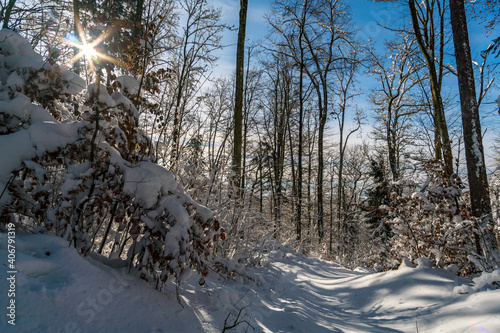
x: 57, y: 290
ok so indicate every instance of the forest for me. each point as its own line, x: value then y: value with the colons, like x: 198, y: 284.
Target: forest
x: 118, y: 135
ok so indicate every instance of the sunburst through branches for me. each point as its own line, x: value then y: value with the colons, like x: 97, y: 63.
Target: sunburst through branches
x: 88, y: 49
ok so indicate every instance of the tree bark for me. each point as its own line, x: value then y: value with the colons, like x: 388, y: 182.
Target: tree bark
x: 476, y: 168
x: 137, y: 19
x: 321, y: 169
x: 298, y: 208
x: 8, y: 11
x: 77, y: 27
x: 238, y: 102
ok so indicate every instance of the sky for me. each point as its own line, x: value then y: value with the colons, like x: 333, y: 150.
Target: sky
x: 367, y: 16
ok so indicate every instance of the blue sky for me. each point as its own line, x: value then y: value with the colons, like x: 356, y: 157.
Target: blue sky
x: 366, y: 14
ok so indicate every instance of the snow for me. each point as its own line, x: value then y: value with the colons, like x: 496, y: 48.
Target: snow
x: 122, y: 100
x: 75, y: 84
x: 154, y: 187
x: 22, y: 108
x: 40, y: 172
x: 57, y: 290
x: 147, y: 182
x: 38, y: 139
x: 164, y: 177
x: 203, y: 211
x: 172, y: 240
x: 129, y: 84
x: 179, y: 213
x: 16, y: 52
x: 102, y: 94
x: 143, y: 185
x: 114, y: 155
x: 17, y: 59
x: 73, y: 179
x: 39, y: 132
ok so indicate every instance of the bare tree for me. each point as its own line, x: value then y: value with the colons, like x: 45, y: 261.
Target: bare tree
x: 201, y: 35
x: 345, y: 93
x: 394, y: 98
x: 280, y: 103
x: 292, y: 29
x: 428, y: 21
x: 323, y: 29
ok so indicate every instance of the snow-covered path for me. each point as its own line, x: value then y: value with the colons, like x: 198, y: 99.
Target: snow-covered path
x: 316, y: 296
x: 59, y: 291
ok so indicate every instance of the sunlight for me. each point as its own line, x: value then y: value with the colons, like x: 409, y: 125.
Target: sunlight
x: 89, y: 51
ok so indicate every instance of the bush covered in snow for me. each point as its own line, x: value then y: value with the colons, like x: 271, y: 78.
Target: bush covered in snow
x: 74, y: 164
x: 435, y: 222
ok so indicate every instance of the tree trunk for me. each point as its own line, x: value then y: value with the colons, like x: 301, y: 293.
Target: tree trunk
x: 298, y: 208
x: 137, y: 19
x: 476, y: 168
x: 183, y: 76
x: 294, y: 178
x: 340, y: 185
x: 309, y: 176
x: 238, y: 102
x: 8, y: 11
x: 321, y: 168
x: 77, y: 27
x: 330, y: 247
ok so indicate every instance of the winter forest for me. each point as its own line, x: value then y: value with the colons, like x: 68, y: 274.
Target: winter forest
x: 322, y: 165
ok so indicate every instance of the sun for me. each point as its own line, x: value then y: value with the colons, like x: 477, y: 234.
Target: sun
x: 89, y: 51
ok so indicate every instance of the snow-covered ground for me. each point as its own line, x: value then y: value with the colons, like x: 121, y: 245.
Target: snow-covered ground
x: 57, y: 290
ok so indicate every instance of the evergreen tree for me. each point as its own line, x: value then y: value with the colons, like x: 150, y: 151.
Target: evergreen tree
x: 377, y: 208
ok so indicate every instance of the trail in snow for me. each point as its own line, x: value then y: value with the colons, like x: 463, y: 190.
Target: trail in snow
x: 57, y: 290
